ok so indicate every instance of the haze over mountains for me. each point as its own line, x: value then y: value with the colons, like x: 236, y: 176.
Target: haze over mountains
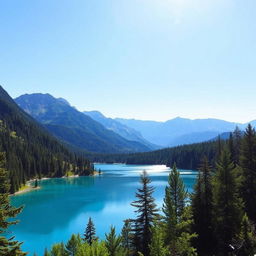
x: 74, y: 127
x: 119, y: 128
x: 92, y: 131
x: 177, y: 131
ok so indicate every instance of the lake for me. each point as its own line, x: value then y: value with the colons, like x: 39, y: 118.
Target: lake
x: 63, y: 205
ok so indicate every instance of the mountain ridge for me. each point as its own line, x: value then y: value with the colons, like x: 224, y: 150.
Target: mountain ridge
x: 74, y: 127
x: 31, y: 151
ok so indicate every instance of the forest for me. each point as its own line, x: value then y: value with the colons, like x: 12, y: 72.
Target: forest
x: 218, y: 218
x: 185, y: 156
x: 31, y: 152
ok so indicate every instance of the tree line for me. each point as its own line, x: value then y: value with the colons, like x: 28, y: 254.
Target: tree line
x: 31, y: 152
x: 185, y: 156
x: 218, y: 218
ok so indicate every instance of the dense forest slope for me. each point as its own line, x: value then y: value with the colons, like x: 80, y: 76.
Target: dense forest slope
x: 186, y: 156
x: 74, y: 127
x: 30, y: 150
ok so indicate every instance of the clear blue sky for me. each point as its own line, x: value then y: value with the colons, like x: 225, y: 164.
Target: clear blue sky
x: 146, y: 59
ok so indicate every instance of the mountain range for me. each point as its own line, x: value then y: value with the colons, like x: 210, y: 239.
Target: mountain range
x: 94, y: 132
x: 180, y: 131
x: 119, y: 128
x: 74, y: 127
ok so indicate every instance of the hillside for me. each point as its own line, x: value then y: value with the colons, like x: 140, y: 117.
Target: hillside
x: 30, y: 150
x: 74, y: 127
x: 186, y: 156
x: 119, y: 128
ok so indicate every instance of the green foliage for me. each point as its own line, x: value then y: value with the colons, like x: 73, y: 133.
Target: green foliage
x: 146, y: 213
x: 202, y: 210
x: 227, y: 205
x: 177, y: 217
x: 58, y: 250
x: 74, y: 127
x: 30, y: 151
x: 96, y: 249
x: 127, y: 236
x: 113, y: 243
x: 90, y: 233
x: 73, y: 245
x: 248, y: 164
x: 186, y: 156
x: 157, y: 246
x: 8, y: 247
x: 247, y: 238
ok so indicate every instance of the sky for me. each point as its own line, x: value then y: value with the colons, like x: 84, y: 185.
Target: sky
x: 143, y: 59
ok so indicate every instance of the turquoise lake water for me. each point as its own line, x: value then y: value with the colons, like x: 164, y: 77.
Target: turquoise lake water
x: 62, y: 206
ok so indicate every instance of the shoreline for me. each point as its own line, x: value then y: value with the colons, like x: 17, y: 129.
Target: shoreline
x: 30, y: 188
x: 26, y: 190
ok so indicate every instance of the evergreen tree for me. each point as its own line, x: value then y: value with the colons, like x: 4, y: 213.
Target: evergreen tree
x: 247, y: 245
x: 237, y: 140
x: 174, y: 203
x: 126, y: 236
x: 248, y: 164
x: 72, y: 245
x: 96, y: 249
x: 157, y: 246
x: 227, y: 205
x: 231, y: 148
x: 177, y: 217
x: 146, y: 213
x: 58, y: 250
x: 90, y: 233
x: 202, y: 210
x: 114, y: 243
x: 8, y: 246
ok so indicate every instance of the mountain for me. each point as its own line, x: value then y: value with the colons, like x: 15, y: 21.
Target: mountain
x: 119, y: 128
x: 74, y: 127
x: 30, y: 150
x: 179, y: 131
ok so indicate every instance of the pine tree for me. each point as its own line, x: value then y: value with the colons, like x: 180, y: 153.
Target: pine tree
x: 72, y: 245
x: 231, y: 148
x: 146, y: 213
x: 58, y: 250
x: 174, y: 203
x: 237, y: 140
x: 114, y: 243
x: 8, y: 247
x: 126, y: 236
x: 202, y: 210
x: 177, y: 217
x: 90, y: 233
x: 248, y: 238
x: 227, y: 205
x: 248, y: 164
x: 157, y: 246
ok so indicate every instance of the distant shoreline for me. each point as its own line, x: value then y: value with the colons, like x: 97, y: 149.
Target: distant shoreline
x: 29, y: 187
